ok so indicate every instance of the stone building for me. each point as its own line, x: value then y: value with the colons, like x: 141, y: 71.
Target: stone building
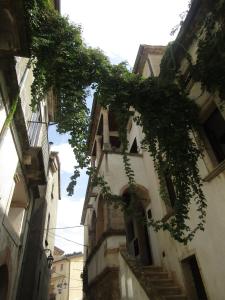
x: 66, y: 282
x: 29, y: 171
x: 124, y: 258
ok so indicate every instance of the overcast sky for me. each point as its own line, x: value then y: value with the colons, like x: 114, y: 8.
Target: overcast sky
x: 118, y: 28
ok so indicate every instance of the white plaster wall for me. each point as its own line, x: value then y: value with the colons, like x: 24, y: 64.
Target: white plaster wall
x: 129, y: 286
x: 16, y: 215
x: 52, y: 205
x: 61, y: 277
x: 85, y: 249
x: 155, y: 60
x: 208, y: 246
x: 8, y: 164
x: 75, y: 283
x: 146, y: 71
x: 113, y: 170
x: 98, y: 264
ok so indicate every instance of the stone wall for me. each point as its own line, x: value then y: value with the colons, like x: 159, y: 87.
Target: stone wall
x: 105, y: 286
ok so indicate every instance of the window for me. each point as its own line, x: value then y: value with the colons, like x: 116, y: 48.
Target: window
x: 52, y: 192
x: 34, y: 127
x: 170, y: 188
x: 214, y: 128
x: 61, y: 267
x: 134, y: 147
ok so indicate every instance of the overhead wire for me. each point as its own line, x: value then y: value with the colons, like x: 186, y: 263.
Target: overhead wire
x: 66, y: 227
x: 54, y: 234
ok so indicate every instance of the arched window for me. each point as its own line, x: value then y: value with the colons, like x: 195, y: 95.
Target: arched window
x: 138, y: 243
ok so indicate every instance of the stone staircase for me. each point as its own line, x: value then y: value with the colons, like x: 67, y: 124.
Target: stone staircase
x: 155, y: 281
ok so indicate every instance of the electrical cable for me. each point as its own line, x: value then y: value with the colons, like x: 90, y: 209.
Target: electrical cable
x: 68, y: 240
x: 67, y: 227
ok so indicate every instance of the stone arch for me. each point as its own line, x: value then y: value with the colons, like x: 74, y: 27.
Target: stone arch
x: 138, y: 242
x: 4, y: 282
x: 142, y: 193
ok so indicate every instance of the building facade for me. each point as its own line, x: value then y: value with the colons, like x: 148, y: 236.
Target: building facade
x: 66, y: 281
x: 29, y: 171
x: 124, y: 258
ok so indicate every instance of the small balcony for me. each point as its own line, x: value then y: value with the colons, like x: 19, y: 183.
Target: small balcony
x: 33, y: 143
x: 36, y: 159
x: 111, y: 166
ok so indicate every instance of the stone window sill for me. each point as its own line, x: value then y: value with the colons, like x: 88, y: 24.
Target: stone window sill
x: 216, y: 171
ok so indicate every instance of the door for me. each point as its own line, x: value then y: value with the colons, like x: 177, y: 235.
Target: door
x: 138, y: 244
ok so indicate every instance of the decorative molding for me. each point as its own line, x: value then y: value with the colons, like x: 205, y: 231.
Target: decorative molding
x: 216, y: 171
x: 105, y: 235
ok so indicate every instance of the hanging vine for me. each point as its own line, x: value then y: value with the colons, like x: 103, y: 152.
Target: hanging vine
x: 63, y: 63
x: 210, y: 65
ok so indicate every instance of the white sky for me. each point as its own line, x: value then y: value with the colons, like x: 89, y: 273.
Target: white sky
x: 118, y: 28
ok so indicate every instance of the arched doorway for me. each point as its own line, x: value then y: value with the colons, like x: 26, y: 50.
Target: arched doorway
x: 138, y: 244
x: 4, y: 282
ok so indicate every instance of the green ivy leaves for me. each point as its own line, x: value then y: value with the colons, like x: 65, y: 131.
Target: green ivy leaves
x: 63, y: 63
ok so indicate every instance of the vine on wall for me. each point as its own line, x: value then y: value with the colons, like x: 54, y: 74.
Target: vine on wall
x: 63, y: 63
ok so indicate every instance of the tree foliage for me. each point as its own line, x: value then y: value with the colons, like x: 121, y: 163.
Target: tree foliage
x: 63, y: 63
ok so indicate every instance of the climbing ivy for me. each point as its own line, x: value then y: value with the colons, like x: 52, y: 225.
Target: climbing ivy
x: 167, y: 117
x: 210, y: 65
x: 64, y: 64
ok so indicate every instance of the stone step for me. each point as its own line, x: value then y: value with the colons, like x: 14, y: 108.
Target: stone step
x: 175, y: 297
x: 161, y: 282
x: 168, y: 290
x: 152, y: 268
x: 154, y: 275
x: 156, y: 280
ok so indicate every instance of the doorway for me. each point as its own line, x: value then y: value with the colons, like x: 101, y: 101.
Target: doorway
x: 194, y: 283
x: 4, y: 282
x: 138, y: 244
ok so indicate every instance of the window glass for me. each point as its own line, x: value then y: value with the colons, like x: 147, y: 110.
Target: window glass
x: 170, y: 188
x: 214, y: 128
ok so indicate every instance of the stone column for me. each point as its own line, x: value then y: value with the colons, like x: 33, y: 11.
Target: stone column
x: 93, y: 159
x: 106, y: 139
x: 98, y: 139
